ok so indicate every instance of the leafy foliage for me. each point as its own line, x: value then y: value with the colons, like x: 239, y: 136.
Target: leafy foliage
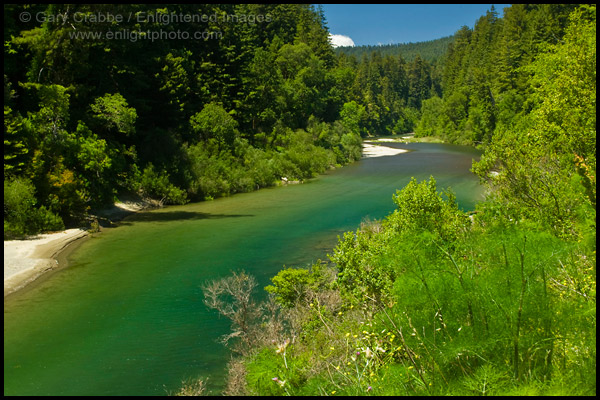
x: 548, y: 171
x: 291, y: 285
x: 214, y: 123
x: 421, y: 207
x: 113, y: 114
x: 21, y: 216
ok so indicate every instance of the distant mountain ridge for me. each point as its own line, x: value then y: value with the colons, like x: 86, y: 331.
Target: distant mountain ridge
x: 431, y: 50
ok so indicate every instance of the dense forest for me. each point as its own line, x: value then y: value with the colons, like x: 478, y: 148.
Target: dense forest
x: 429, y: 300
x: 431, y: 50
x: 88, y: 118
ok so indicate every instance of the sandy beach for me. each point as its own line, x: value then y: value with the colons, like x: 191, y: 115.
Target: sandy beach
x: 26, y: 260
x: 372, y: 150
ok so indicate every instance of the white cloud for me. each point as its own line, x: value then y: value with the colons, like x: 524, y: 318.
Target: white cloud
x: 340, y: 40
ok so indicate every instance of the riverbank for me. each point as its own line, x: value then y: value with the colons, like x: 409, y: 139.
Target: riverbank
x: 128, y: 205
x: 373, y: 150
x: 406, y: 138
x: 27, y: 260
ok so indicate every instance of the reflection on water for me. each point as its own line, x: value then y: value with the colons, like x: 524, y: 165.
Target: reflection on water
x: 127, y: 318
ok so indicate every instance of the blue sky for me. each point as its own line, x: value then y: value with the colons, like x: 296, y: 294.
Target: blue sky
x: 373, y: 24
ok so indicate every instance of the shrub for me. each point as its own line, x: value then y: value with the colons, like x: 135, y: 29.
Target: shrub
x: 21, y: 216
x: 157, y: 185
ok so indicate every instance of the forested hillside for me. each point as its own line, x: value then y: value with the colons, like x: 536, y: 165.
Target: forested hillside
x: 433, y: 301
x: 102, y: 100
x: 431, y: 50
x: 487, y: 72
x: 524, y: 87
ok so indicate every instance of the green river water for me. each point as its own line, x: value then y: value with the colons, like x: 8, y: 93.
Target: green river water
x: 127, y: 318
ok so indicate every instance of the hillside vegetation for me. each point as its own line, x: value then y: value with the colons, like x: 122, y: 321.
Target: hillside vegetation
x: 431, y: 50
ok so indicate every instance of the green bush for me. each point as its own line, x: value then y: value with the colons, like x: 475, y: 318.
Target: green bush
x: 157, y: 185
x: 21, y: 216
x: 422, y: 208
x: 290, y: 285
x: 214, y: 123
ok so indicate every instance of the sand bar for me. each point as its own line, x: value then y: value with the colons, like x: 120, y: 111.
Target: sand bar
x: 26, y: 260
x: 371, y: 150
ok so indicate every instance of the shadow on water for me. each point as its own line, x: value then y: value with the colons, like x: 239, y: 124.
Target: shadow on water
x: 171, y: 216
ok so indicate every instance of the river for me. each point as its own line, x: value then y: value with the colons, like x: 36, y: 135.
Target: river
x: 127, y: 318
